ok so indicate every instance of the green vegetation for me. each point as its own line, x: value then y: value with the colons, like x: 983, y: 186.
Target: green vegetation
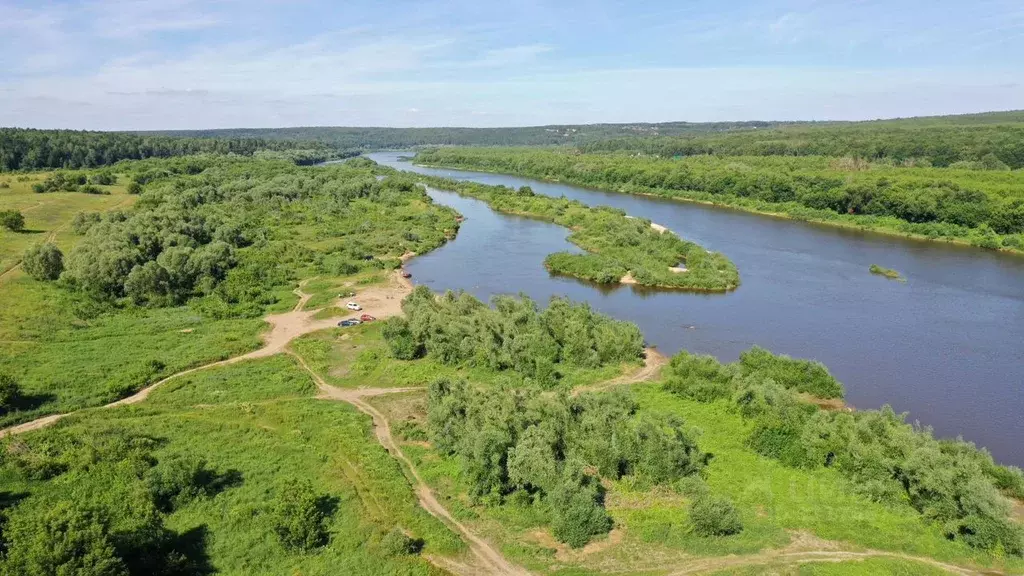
x: 22, y: 149
x: 212, y: 475
x: 457, y: 329
x: 887, y: 272
x: 950, y: 483
x: 615, y: 243
x: 975, y: 141
x: 44, y: 262
x: 179, y: 280
x: 12, y: 220
x: 981, y: 207
x: 523, y: 446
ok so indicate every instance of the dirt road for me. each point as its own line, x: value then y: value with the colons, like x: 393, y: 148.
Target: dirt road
x: 378, y: 301
x: 491, y: 561
x: 653, y: 361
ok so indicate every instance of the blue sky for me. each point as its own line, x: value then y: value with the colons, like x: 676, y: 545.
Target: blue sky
x: 179, y: 64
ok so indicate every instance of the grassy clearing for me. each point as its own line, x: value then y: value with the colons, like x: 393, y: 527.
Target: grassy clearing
x: 819, y: 501
x: 258, y: 420
x: 64, y: 363
x: 47, y: 215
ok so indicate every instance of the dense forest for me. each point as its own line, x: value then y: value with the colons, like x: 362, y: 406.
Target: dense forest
x: 46, y: 149
x: 898, y: 138
x: 986, y: 147
x: 356, y: 137
x: 983, y: 207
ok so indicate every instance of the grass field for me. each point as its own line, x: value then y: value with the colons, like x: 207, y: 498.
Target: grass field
x: 259, y: 421
x: 48, y: 216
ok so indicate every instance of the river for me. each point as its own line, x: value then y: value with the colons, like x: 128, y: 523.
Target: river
x: 947, y: 345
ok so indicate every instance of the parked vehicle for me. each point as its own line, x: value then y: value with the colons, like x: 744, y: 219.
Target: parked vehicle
x: 353, y: 306
x: 367, y: 318
x: 406, y: 274
x: 349, y: 322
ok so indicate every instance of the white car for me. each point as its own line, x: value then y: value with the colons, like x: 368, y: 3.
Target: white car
x: 353, y: 306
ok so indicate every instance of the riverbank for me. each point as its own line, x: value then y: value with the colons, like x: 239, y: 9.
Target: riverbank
x: 826, y: 218
x: 620, y: 249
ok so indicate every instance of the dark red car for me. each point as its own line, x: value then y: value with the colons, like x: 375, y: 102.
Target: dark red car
x: 367, y: 318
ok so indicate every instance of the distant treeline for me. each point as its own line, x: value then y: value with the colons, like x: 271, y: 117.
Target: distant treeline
x: 937, y: 138
x: 22, y: 149
x: 367, y: 137
x: 985, y: 147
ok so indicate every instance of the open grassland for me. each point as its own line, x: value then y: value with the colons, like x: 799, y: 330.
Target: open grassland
x: 258, y: 423
x: 48, y: 216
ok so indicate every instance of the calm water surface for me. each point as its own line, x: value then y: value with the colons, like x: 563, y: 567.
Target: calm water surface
x: 947, y: 345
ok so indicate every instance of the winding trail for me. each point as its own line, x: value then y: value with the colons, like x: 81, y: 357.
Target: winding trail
x: 807, y: 548
x: 491, y: 560
x: 379, y: 301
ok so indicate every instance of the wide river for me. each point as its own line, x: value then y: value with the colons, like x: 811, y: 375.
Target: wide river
x: 947, y: 345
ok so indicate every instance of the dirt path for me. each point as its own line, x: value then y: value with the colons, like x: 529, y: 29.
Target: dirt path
x: 491, y: 560
x: 807, y: 548
x: 378, y: 301
x: 653, y: 363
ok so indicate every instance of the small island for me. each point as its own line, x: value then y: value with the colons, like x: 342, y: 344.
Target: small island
x: 887, y: 272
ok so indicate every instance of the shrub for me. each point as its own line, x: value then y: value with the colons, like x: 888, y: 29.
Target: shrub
x: 10, y: 392
x: 577, y: 509
x: 297, y: 518
x: 802, y: 375
x: 134, y: 188
x: 83, y: 221
x: 714, y: 516
x: 396, y: 543
x: 12, y: 220
x: 43, y: 262
x: 400, y: 340
x: 64, y: 538
x: 174, y: 481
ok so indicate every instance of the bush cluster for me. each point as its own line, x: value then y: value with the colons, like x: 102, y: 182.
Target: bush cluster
x: 104, y: 512
x: 457, y: 329
x: 13, y: 220
x: 949, y: 482
x: 224, y: 229
x: 551, y: 450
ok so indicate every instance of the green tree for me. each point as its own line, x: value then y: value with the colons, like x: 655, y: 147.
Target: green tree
x: 12, y: 220
x: 43, y: 262
x: 297, y: 517
x: 577, y: 509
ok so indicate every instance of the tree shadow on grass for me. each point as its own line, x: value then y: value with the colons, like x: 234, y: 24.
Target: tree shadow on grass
x: 213, y: 482
x: 328, y: 505
x: 25, y: 402
x: 191, y: 556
